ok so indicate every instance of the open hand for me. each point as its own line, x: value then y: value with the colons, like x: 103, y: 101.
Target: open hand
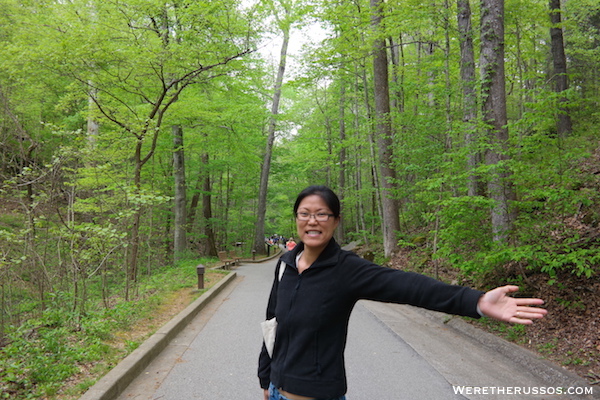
x: 496, y: 304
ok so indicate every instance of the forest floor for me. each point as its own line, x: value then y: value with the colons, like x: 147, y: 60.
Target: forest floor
x: 142, y: 329
x: 172, y: 305
x: 569, y: 335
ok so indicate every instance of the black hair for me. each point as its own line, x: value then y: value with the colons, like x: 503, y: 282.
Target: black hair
x: 330, y: 198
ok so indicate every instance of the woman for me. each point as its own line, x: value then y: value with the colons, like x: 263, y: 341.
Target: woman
x: 313, y: 298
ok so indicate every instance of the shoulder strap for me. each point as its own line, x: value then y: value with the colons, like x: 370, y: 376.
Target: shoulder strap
x: 281, y: 267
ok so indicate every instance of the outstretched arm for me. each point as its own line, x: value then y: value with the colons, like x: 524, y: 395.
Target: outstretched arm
x: 496, y: 304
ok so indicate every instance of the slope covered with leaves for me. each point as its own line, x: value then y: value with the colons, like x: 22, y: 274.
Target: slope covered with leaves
x: 570, y: 334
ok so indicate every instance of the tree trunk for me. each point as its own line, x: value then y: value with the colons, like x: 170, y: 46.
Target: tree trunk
x: 211, y: 243
x: 390, y: 223
x: 564, y: 125
x: 194, y: 201
x: 448, y: 95
x: 134, y: 238
x: 207, y: 242
x: 179, y: 228
x: 360, y: 225
x: 397, y: 101
x: 469, y: 101
x: 500, y: 188
x: 329, y: 134
x: 342, y: 157
x: 93, y: 128
x: 259, y: 235
x: 375, y: 175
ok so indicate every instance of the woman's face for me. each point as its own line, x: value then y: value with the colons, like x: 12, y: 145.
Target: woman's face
x: 315, y: 234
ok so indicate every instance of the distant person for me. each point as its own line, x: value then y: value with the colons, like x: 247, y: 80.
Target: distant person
x: 290, y: 244
x: 314, y: 297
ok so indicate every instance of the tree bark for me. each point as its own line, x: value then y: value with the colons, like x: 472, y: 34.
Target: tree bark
x: 360, y: 85
x: 564, y: 125
x: 376, y: 204
x: 207, y: 214
x: 342, y: 156
x: 179, y: 237
x: 448, y: 95
x: 469, y: 101
x: 259, y: 235
x: 194, y: 201
x: 207, y: 242
x: 397, y: 101
x: 391, y: 221
x: 500, y: 188
x: 134, y: 239
x: 93, y: 128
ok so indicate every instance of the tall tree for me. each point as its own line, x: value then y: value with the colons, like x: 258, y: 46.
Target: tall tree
x: 383, y: 122
x: 179, y: 201
x: 469, y: 99
x: 206, y: 242
x: 564, y: 125
x: 284, y: 23
x: 500, y: 188
x: 342, y: 155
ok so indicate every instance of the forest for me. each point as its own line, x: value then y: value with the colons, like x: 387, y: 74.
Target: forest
x: 138, y: 137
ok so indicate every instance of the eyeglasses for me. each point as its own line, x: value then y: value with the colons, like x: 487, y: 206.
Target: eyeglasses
x: 321, y: 217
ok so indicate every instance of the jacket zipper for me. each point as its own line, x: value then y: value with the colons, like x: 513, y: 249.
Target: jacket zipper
x: 292, y: 301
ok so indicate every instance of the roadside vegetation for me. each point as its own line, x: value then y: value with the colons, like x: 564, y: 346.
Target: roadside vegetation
x: 59, y: 354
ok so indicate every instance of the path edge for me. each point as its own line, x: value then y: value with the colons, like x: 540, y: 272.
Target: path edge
x: 111, y: 385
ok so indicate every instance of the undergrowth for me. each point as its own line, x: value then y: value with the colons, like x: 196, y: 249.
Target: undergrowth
x: 49, y: 350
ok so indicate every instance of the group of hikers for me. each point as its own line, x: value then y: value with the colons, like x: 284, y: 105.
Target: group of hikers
x: 278, y: 240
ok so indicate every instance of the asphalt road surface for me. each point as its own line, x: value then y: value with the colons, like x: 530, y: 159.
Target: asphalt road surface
x: 394, y: 352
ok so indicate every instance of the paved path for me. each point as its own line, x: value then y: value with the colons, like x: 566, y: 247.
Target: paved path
x: 394, y: 352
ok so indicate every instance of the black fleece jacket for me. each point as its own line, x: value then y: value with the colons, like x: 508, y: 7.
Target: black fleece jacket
x: 313, y: 310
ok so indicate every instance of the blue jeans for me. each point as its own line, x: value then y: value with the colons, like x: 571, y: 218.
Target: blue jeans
x: 275, y: 395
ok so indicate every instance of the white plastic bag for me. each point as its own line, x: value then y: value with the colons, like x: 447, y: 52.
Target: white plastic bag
x: 269, y: 327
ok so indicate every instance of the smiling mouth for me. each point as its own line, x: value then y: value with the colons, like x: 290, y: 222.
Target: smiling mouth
x: 313, y: 233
